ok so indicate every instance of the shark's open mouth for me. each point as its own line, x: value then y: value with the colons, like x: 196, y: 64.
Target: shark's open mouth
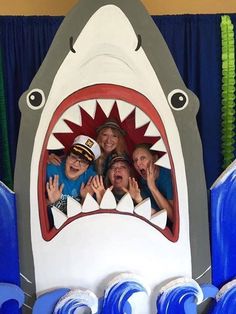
x: 81, y: 113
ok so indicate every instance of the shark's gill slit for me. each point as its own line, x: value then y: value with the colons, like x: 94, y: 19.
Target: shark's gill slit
x: 139, y: 43
x: 71, y: 42
x: 140, y: 128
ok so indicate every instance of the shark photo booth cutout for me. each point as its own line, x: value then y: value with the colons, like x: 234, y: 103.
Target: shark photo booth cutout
x: 108, y: 60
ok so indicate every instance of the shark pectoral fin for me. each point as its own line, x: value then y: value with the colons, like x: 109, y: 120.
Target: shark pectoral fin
x: 160, y: 219
x: 126, y: 204
x: 144, y: 209
x: 73, y: 207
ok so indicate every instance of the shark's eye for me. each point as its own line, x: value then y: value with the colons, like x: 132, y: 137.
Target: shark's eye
x: 35, y: 99
x: 178, y: 99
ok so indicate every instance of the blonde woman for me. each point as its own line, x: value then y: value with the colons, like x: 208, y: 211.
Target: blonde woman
x: 111, y: 139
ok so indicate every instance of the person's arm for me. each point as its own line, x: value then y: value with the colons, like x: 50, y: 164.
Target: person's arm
x: 55, y: 159
x: 160, y: 199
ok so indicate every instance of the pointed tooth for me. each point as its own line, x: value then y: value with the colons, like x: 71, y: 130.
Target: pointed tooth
x: 73, y: 207
x: 89, y: 204
x: 126, y: 204
x: 72, y: 114
x: 152, y: 130
x: 89, y: 106
x: 61, y: 127
x: 159, y: 146
x: 140, y: 118
x: 144, y: 208
x: 59, y: 217
x: 160, y: 219
x: 124, y: 109
x: 163, y: 162
x: 53, y: 143
x: 106, y: 105
x: 108, y: 200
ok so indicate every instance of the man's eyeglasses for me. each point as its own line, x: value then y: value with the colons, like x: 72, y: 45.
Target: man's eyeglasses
x: 74, y: 159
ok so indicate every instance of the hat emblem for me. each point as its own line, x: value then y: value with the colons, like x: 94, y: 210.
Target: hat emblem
x: 89, y: 143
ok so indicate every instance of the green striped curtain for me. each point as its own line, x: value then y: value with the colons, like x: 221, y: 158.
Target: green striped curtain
x: 228, y: 91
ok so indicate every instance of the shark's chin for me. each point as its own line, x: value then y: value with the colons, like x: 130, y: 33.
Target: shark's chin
x: 99, y: 240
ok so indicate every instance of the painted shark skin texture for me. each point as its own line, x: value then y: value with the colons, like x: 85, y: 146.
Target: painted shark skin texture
x: 127, y: 62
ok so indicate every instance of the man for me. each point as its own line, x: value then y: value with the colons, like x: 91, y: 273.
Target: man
x: 72, y: 174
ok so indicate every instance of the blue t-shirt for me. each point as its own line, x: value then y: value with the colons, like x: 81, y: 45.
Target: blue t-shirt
x: 71, y: 187
x: 164, y: 185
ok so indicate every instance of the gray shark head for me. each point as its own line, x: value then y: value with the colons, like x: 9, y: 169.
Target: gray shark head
x: 108, y: 59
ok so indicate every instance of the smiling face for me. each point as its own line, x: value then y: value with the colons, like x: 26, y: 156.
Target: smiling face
x: 142, y: 158
x: 119, y: 174
x: 75, y: 166
x: 108, y: 140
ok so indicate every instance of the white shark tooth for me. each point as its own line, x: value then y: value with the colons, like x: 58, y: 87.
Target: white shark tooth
x: 72, y: 114
x: 73, y: 207
x: 89, y: 204
x: 159, y: 146
x: 89, y: 106
x: 126, y: 204
x: 61, y: 127
x: 140, y: 118
x: 106, y: 105
x: 108, y: 201
x: 59, y: 217
x: 160, y: 218
x: 163, y: 162
x: 144, y: 208
x: 152, y: 130
x: 53, y: 143
x: 124, y: 109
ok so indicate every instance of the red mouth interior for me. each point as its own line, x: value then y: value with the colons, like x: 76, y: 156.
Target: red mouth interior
x: 88, y: 127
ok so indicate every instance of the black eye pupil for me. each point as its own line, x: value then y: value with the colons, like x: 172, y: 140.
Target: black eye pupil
x: 178, y: 100
x: 35, y: 99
